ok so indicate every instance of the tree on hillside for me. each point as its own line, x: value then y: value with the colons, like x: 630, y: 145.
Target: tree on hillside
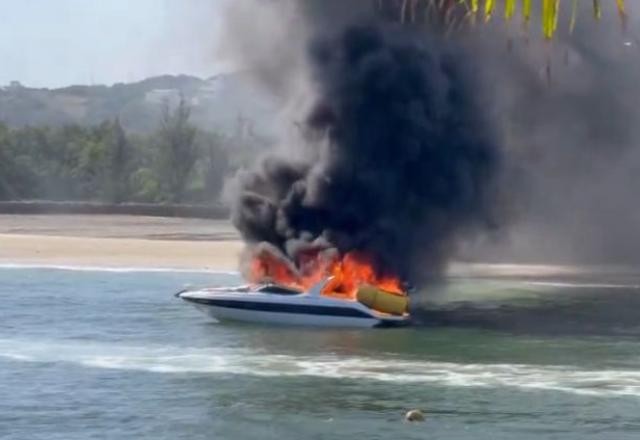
x: 6, y: 190
x: 119, y: 159
x: 17, y: 178
x: 178, y: 149
x: 80, y: 158
x: 216, y: 163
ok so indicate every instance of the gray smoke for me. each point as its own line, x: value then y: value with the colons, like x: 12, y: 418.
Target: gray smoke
x: 573, y: 136
x: 392, y: 154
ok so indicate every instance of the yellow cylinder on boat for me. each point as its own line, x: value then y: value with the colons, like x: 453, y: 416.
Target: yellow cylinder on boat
x: 382, y: 301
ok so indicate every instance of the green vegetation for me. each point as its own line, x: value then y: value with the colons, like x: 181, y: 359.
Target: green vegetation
x: 177, y: 163
x: 178, y: 152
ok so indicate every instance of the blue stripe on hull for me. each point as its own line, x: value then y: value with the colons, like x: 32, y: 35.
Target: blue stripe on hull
x: 283, y: 308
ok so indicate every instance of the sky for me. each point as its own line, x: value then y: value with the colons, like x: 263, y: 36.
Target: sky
x: 54, y: 43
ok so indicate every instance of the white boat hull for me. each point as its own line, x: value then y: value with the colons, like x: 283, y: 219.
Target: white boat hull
x: 285, y: 319
x: 293, y: 310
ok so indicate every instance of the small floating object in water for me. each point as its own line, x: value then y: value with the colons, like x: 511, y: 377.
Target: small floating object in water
x: 415, y: 415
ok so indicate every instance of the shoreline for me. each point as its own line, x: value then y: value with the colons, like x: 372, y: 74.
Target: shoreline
x: 24, y: 251
x: 119, y: 242
x: 138, y: 243
x: 111, y: 269
x: 41, y: 250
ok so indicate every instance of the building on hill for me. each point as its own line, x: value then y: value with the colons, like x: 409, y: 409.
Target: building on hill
x: 161, y: 96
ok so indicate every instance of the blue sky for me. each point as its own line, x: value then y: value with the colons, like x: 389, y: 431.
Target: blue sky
x: 52, y: 43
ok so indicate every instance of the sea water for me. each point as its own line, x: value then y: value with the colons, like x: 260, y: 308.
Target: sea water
x: 111, y: 354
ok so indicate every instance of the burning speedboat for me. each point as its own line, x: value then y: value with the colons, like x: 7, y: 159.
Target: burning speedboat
x: 389, y: 165
x: 322, y: 289
x: 277, y: 304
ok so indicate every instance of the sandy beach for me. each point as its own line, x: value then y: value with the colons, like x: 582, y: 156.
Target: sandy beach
x: 172, y: 243
x: 118, y: 241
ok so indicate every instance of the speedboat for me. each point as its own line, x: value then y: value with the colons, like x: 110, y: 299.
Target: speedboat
x: 276, y: 304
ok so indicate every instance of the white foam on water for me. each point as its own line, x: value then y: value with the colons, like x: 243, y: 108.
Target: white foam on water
x: 80, y: 268
x: 178, y: 360
x: 17, y: 357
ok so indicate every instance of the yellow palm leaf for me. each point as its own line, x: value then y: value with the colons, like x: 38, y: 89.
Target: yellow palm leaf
x: 550, y: 10
x: 526, y: 10
x: 509, y: 8
x: 546, y: 20
x: 555, y: 13
x: 574, y: 12
x: 597, y: 10
x: 489, y: 6
x: 622, y: 12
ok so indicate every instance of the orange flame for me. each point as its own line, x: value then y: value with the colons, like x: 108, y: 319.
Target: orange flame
x: 349, y: 272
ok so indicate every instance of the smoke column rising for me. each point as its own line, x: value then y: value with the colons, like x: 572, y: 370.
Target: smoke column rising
x: 574, y: 138
x: 392, y: 156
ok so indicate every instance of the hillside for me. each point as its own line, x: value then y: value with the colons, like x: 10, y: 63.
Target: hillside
x: 226, y: 103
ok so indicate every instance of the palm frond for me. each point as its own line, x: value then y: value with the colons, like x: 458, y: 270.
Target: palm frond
x: 597, y: 10
x: 550, y: 10
x: 456, y: 11
x: 489, y: 6
x: 526, y: 11
x: 574, y: 13
x: 509, y: 9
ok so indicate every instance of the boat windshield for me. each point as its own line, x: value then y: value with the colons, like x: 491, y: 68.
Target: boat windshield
x: 278, y: 290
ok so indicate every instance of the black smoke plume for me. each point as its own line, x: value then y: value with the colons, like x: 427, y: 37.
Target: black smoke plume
x: 392, y: 157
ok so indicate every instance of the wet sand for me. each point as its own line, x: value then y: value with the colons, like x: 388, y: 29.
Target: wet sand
x: 118, y: 241
x: 158, y: 242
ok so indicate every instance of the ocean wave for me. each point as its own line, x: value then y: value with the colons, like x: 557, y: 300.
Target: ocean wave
x: 178, y: 360
x: 82, y: 268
